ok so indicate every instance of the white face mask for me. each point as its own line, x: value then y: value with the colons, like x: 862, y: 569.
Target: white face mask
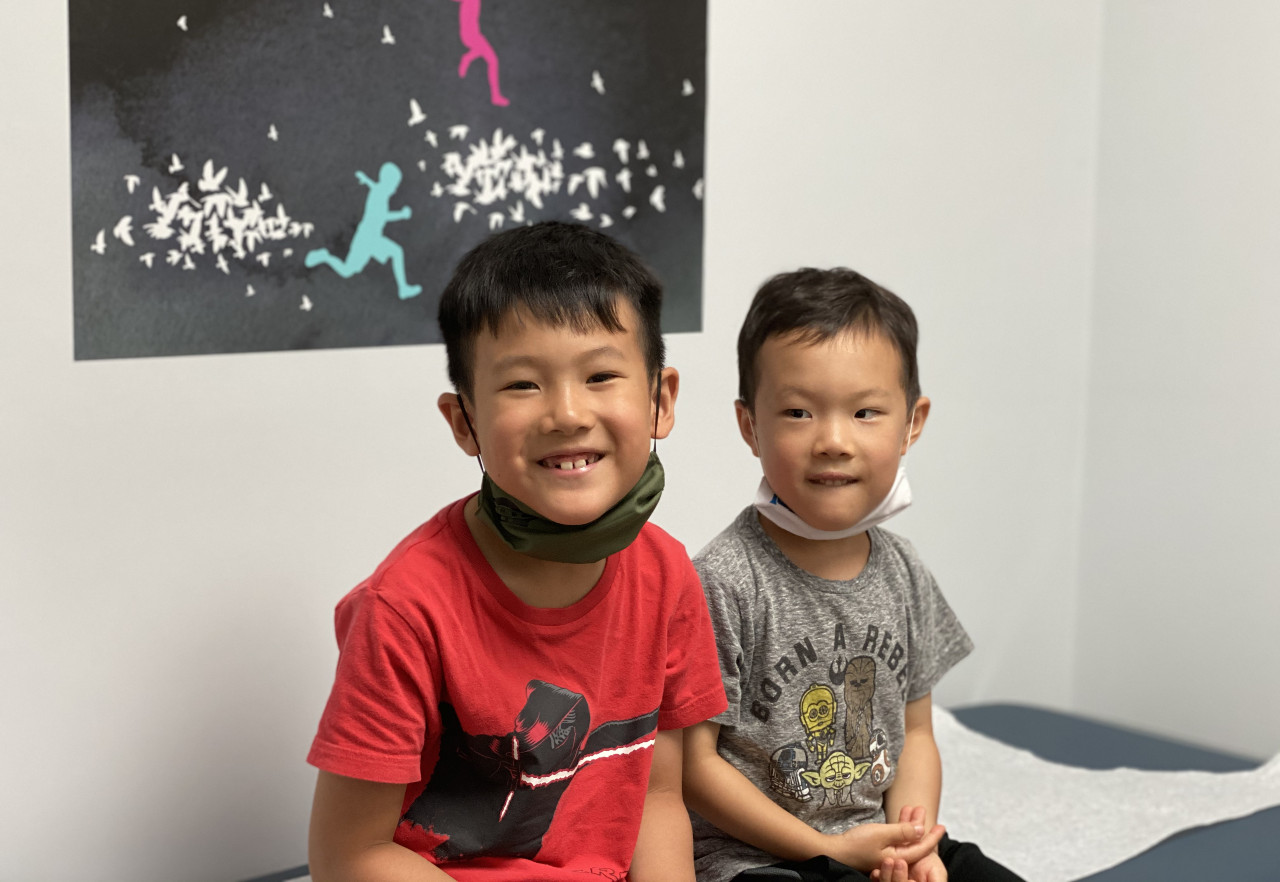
x: 773, y: 508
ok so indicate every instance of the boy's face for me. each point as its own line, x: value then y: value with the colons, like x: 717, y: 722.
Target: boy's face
x: 563, y: 419
x: 831, y: 423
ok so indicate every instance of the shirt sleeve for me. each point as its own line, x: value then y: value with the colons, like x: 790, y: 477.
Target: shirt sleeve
x: 937, y: 639
x: 692, y: 691
x: 376, y: 721
x: 729, y: 625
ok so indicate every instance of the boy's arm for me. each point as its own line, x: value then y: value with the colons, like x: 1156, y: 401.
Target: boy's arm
x: 352, y: 825
x: 727, y: 798
x: 919, y: 777
x: 664, y: 848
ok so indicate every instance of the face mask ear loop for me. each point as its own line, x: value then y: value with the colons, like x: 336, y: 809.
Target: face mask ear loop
x: 471, y: 429
x: 657, y: 409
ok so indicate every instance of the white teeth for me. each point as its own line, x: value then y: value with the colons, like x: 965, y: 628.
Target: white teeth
x: 565, y: 466
x: 580, y: 464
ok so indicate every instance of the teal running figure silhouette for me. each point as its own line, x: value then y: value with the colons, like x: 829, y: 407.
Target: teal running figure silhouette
x: 370, y: 242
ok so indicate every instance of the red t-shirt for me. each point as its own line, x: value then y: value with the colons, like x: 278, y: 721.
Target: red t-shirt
x: 524, y: 734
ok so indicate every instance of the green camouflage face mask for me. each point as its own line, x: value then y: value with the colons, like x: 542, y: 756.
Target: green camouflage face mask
x: 526, y: 531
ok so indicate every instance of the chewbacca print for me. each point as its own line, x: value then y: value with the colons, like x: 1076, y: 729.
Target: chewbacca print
x: 859, y: 682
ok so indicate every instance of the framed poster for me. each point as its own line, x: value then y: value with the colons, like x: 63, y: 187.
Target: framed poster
x: 253, y: 175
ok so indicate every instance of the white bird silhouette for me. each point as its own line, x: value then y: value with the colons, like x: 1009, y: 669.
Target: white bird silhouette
x: 517, y: 213
x: 422, y: 165
x: 264, y: 195
x: 651, y: 171
x: 537, y: 135
x: 175, y: 165
x: 623, y: 149
x: 328, y: 11
x: 658, y: 198
x: 623, y: 178
x: 131, y: 182
x: 557, y: 152
x: 642, y: 150
x: 222, y: 265
x: 678, y: 161
x: 288, y: 252
x: 239, y: 196
x: 249, y: 292
x: 264, y: 258
x: 436, y: 190
x: 187, y: 262
x: 584, y: 151
x: 597, y: 81
x: 272, y: 133
x: 430, y: 138
x: 597, y: 178
x: 495, y: 219
x: 305, y: 306
x: 686, y: 88
x: 698, y: 189
x: 173, y: 257
x: 415, y: 112
x: 211, y: 181
x: 629, y: 212
x: 605, y: 221
x: 124, y: 230
x: 387, y: 37
x: 574, y: 180
x: 458, y: 132
x: 99, y: 245
x: 460, y: 209
x: 148, y: 258
x: 581, y: 213
x: 159, y: 229
x: 182, y: 22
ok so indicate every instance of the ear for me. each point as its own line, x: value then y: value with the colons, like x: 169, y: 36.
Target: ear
x: 813, y: 779
x: 668, y: 387
x: 918, y: 416
x: 745, y: 425
x: 450, y: 405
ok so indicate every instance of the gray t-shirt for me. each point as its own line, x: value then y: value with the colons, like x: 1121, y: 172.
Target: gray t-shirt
x: 817, y: 674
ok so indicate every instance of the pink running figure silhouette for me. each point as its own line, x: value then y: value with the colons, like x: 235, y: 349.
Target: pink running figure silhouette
x: 477, y: 47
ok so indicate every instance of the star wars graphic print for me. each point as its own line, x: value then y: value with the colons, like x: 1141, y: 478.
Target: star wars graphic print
x: 837, y: 743
x: 497, y: 794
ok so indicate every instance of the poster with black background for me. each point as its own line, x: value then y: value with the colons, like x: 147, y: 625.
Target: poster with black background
x: 253, y: 175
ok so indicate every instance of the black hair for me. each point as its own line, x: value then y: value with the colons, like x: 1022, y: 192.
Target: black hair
x: 563, y: 274
x: 816, y: 305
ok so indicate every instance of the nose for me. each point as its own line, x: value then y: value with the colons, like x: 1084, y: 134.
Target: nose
x: 833, y: 439
x: 567, y: 410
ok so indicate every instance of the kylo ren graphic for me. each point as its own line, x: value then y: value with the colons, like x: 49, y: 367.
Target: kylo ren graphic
x: 496, y: 794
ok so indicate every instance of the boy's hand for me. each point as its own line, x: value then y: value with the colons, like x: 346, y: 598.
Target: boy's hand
x: 867, y: 846
x: 892, y: 870
x: 928, y: 868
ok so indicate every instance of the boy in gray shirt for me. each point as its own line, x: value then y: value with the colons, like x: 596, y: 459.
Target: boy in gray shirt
x: 831, y: 631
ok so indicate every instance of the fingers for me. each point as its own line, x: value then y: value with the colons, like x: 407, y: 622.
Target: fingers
x: 912, y: 851
x: 891, y: 870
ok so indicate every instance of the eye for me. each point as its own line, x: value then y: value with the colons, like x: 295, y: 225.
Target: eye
x: 520, y: 386
x: 795, y: 413
x: 602, y: 377
x: 866, y: 413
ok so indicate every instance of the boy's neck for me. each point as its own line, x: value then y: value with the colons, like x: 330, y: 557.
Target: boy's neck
x: 546, y: 584
x: 837, y: 560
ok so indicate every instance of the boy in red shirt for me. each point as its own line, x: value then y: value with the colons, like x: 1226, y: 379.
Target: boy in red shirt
x: 514, y: 678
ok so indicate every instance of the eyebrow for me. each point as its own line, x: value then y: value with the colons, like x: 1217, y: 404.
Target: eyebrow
x: 515, y: 361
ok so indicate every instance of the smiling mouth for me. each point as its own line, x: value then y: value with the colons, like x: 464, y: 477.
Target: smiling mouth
x: 570, y: 462
x: 833, y: 482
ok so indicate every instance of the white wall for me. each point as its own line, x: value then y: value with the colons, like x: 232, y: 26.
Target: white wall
x: 174, y: 532
x: 1179, y: 571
